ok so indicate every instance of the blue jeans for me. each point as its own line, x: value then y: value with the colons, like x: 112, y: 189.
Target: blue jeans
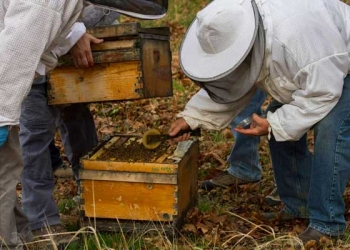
x: 38, y: 123
x: 313, y: 185
x: 244, y: 157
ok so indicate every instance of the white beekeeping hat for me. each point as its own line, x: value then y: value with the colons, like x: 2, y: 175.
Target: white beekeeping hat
x: 223, y: 49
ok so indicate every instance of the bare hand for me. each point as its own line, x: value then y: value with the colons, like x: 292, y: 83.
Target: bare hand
x: 258, y: 126
x: 176, y: 127
x: 81, y: 51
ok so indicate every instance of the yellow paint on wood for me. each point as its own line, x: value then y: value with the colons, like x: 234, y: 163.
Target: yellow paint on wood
x: 102, y: 175
x: 113, y: 81
x: 129, y: 166
x: 130, y: 201
x: 137, y: 191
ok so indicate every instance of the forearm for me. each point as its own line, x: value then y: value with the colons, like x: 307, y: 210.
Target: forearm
x: 201, y: 111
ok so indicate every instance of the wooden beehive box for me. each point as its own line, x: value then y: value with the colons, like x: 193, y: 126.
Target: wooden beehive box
x: 122, y: 185
x: 132, y: 63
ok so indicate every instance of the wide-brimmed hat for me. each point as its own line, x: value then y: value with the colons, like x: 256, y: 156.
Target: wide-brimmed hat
x: 217, y: 50
x: 142, y: 9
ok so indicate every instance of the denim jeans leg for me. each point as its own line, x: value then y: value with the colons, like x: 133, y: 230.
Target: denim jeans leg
x: 292, y: 162
x: 37, y: 130
x: 331, y: 168
x: 244, y: 157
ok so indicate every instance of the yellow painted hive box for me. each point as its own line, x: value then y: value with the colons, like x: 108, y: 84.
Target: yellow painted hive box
x: 132, y: 63
x: 121, y: 181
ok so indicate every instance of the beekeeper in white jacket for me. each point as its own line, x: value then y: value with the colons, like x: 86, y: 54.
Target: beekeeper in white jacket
x: 30, y: 31
x: 298, y: 51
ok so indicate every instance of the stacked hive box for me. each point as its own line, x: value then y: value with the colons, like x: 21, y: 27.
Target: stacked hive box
x: 132, y: 63
x: 133, y: 191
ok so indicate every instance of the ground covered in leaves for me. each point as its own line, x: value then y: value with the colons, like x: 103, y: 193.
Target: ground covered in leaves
x: 223, y: 218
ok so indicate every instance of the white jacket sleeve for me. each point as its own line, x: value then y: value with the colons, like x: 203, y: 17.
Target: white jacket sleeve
x: 29, y: 28
x: 77, y: 31
x: 203, y: 112
x: 321, y: 87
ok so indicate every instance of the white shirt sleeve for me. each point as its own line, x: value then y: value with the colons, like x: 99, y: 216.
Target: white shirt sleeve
x: 203, y: 112
x: 78, y: 30
x: 29, y: 28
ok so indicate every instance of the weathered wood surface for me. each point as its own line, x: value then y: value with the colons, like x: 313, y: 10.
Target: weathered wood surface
x: 130, y: 166
x: 188, y: 180
x: 126, y: 29
x: 101, y: 57
x: 147, y: 49
x: 156, y: 64
x: 138, y: 191
x: 112, y: 45
x: 101, y: 175
x: 130, y: 201
x: 103, y: 82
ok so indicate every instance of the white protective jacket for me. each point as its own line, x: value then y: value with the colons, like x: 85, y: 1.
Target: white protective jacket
x: 307, y: 59
x: 29, y: 31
